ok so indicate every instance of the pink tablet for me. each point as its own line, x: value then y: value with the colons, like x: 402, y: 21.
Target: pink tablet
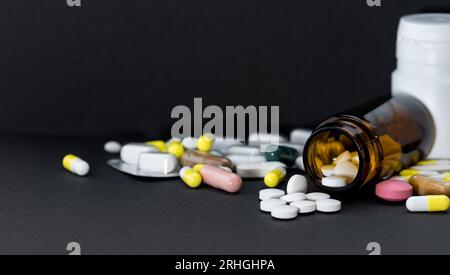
x: 393, y: 190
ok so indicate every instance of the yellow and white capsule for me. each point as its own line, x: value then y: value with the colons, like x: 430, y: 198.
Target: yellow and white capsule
x: 176, y: 148
x: 432, y: 203
x: 158, y: 144
x: 191, y: 177
x: 205, y: 143
x: 75, y: 165
x: 274, y: 177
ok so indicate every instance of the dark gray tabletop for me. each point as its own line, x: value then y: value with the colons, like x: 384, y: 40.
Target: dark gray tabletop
x: 43, y: 208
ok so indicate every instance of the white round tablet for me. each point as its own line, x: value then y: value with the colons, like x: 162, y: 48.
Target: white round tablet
x: 297, y: 183
x: 304, y: 206
x: 285, y: 212
x: 315, y: 196
x: 294, y: 197
x: 334, y: 181
x: 112, y: 147
x: 328, y: 205
x: 270, y: 204
x: 270, y: 193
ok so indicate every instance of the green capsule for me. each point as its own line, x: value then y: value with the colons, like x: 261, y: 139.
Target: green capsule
x: 285, y: 154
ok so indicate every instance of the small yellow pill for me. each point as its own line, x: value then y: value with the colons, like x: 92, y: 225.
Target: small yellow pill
x: 75, y: 165
x: 205, y: 143
x: 427, y: 162
x: 274, y: 177
x: 409, y: 172
x: 446, y: 177
x: 191, y: 177
x: 158, y: 144
x: 175, y: 148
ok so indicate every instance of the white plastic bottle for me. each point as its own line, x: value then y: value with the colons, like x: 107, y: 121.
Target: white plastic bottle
x: 423, y: 70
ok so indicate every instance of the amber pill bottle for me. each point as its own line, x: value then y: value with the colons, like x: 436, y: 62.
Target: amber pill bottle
x: 396, y: 134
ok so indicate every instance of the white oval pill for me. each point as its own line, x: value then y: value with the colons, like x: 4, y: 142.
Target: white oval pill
x: 257, y: 170
x: 328, y: 205
x: 112, y: 147
x: 439, y: 167
x: 346, y: 169
x: 158, y: 163
x: 315, y: 196
x: 221, y: 144
x: 240, y: 159
x: 189, y: 143
x: 243, y: 150
x: 300, y: 136
x: 334, y: 181
x: 294, y: 197
x: 327, y: 170
x: 130, y: 152
x: 297, y: 183
x: 270, y: 204
x: 299, y: 163
x: 271, y: 193
x: 284, y: 212
x: 304, y: 206
x: 257, y: 139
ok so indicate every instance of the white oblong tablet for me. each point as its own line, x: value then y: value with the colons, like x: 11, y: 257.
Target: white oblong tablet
x: 297, y: 183
x: 257, y: 170
x: 158, y: 163
x: 304, y: 206
x: 299, y: 163
x: 240, y: 159
x: 300, y: 136
x: 271, y: 193
x: 315, y: 196
x: 130, y: 152
x: 257, y: 139
x: 189, y: 143
x: 243, y: 150
x: 328, y: 205
x: 294, y: 197
x: 284, y: 212
x: 334, y: 181
x: 438, y: 167
x: 221, y: 144
x: 270, y: 204
x: 112, y: 147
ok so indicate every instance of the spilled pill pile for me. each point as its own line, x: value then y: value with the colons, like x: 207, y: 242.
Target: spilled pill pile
x: 224, y: 163
x: 287, y: 205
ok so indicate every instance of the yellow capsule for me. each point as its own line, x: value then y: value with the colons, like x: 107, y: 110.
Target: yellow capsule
x: 158, y: 144
x: 409, y: 172
x: 175, y: 148
x: 191, y: 177
x: 274, y: 177
x: 431, y: 203
x: 75, y: 165
x: 205, y: 143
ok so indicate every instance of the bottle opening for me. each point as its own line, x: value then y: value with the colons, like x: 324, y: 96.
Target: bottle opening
x: 332, y: 160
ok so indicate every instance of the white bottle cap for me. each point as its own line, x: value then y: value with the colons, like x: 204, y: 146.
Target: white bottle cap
x: 424, y: 39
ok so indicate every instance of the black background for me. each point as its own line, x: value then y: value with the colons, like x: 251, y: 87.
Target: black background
x: 115, y: 67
